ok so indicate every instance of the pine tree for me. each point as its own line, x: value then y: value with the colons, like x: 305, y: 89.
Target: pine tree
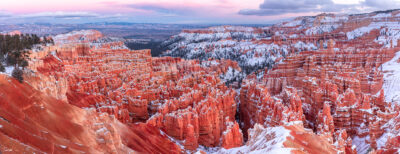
x: 14, y: 51
x: 18, y: 74
x: 2, y: 69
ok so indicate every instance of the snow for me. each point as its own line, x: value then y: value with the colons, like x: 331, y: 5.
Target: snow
x: 391, y: 131
x: 55, y: 55
x: 368, y: 111
x: 177, y: 142
x: 309, y: 46
x: 293, y: 23
x: 361, y: 31
x: 361, y: 145
x: 294, y: 123
x: 198, y: 152
x: 392, y: 26
x: 255, y: 61
x: 261, y: 141
x: 232, y: 28
x: 383, y: 139
x: 63, y: 38
x: 334, y: 19
x: 391, y: 86
x: 230, y: 75
x: 321, y: 29
x: 391, y: 75
x: 382, y: 15
x: 294, y: 36
x: 389, y: 36
x: 239, y: 47
x: 102, y: 130
x: 8, y: 70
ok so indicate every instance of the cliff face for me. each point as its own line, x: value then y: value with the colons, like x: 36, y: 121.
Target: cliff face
x: 291, y: 138
x: 353, y: 92
x: 31, y: 121
x: 340, y: 87
x: 258, y: 106
x: 184, y: 98
x: 83, y: 36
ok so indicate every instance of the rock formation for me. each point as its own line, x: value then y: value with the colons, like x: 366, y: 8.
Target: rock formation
x: 323, y: 84
x: 184, y: 98
x: 31, y: 121
x: 291, y: 138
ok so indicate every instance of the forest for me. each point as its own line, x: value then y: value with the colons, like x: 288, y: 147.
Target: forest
x: 155, y: 47
x: 14, y: 51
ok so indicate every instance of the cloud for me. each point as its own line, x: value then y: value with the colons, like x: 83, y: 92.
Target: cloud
x: 68, y: 15
x: 165, y: 9
x: 61, y: 14
x: 5, y: 14
x: 60, y: 17
x: 382, y: 4
x: 280, y: 7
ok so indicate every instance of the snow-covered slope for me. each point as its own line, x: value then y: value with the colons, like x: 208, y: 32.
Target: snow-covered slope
x: 263, y: 140
x: 391, y: 83
x: 77, y: 37
x: 93, y: 38
x: 252, y: 48
x: 257, y: 48
x: 290, y: 138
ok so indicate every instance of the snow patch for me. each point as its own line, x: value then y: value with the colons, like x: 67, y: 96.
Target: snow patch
x: 361, y: 145
x: 8, y: 70
x: 361, y: 31
x: 391, y: 75
x: 263, y: 140
x: 382, y: 15
x: 293, y: 23
x: 322, y: 29
x: 55, y: 55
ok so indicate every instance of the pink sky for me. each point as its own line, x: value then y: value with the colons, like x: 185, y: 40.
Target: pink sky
x: 31, y: 6
x: 164, y: 11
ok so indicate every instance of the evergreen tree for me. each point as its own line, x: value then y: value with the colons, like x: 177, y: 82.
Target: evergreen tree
x: 2, y: 69
x: 14, y: 51
x: 17, y: 74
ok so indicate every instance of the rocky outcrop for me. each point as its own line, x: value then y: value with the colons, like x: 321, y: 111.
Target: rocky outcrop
x: 283, y: 139
x: 184, y: 98
x: 339, y: 86
x: 258, y: 106
x: 326, y: 127
x: 199, y: 117
x: 31, y: 121
x: 323, y: 77
x: 344, y: 143
x: 83, y: 36
x: 232, y: 137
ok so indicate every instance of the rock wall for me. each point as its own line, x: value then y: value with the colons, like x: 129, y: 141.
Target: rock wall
x: 31, y: 121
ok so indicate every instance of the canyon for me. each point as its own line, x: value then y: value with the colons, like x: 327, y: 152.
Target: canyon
x: 320, y: 84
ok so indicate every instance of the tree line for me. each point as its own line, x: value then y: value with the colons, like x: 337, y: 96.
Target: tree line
x: 155, y: 47
x: 14, y: 51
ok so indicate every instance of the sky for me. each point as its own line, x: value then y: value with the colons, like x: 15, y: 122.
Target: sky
x: 179, y: 11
